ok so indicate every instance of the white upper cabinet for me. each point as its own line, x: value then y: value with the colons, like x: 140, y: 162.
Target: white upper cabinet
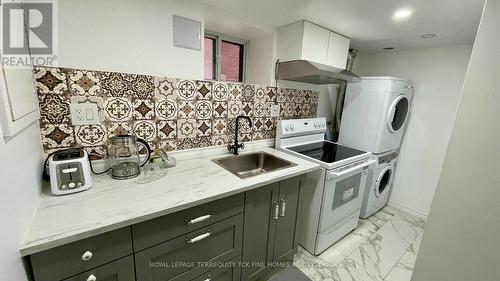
x: 314, y: 43
x: 290, y: 41
x: 304, y: 40
x: 338, y: 49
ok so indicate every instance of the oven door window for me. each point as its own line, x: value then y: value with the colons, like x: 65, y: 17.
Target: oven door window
x: 346, y: 190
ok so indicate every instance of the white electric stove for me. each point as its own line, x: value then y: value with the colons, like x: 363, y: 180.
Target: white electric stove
x: 330, y: 199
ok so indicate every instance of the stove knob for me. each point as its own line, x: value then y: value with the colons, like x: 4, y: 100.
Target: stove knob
x: 315, y: 124
x: 71, y: 185
x: 287, y: 127
x: 291, y: 128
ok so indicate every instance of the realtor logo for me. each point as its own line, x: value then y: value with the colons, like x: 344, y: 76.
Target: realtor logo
x: 28, y: 33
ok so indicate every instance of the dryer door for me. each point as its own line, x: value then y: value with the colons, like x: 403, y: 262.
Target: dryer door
x: 383, y: 183
x: 398, y: 113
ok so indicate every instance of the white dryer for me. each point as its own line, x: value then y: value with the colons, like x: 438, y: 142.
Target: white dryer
x: 379, y: 183
x: 376, y: 113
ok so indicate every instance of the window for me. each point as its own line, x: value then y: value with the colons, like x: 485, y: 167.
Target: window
x: 224, y: 58
x: 209, y: 58
x: 231, y: 68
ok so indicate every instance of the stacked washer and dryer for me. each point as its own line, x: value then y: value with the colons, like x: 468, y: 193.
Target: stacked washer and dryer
x: 374, y: 119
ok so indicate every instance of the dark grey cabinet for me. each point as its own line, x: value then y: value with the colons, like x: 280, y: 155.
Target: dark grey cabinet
x: 284, y: 236
x: 269, y: 228
x: 156, y: 231
x: 228, y: 271
x: 192, y: 254
x: 230, y: 239
x: 119, y: 270
x: 257, y: 239
x: 77, y: 257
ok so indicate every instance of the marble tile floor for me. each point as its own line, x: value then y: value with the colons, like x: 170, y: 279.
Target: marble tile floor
x: 383, y: 247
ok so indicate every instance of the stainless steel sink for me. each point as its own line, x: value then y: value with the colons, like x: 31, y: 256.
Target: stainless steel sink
x: 252, y: 164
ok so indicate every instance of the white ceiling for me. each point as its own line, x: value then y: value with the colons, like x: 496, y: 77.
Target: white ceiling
x: 368, y: 23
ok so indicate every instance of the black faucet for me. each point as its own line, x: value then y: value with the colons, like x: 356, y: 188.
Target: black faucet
x: 234, y: 147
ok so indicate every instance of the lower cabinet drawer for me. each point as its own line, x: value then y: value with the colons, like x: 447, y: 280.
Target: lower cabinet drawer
x: 156, y: 231
x: 71, y: 259
x: 190, y: 255
x: 228, y: 271
x: 120, y: 270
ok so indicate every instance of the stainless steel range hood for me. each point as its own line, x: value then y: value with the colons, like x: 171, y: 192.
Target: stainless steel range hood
x: 314, y: 73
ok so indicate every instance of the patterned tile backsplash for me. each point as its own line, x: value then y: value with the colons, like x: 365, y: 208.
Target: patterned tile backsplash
x: 172, y: 113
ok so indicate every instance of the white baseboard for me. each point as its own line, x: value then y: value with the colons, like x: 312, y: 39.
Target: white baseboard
x: 407, y: 210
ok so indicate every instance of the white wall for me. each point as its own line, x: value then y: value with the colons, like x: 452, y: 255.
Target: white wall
x: 259, y: 61
x: 137, y: 38
x: 438, y: 74
x: 128, y: 36
x: 20, y: 171
x: 461, y: 242
x: 327, y: 100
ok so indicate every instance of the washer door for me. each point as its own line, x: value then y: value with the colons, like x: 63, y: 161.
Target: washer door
x: 398, y: 113
x: 383, y: 183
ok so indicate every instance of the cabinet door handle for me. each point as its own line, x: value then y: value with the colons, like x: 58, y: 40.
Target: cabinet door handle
x: 87, y: 255
x: 200, y: 219
x: 283, y: 208
x: 199, y: 237
x: 276, y: 211
x: 92, y: 278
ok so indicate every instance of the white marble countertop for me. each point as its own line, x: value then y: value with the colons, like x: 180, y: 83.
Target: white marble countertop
x: 112, y: 204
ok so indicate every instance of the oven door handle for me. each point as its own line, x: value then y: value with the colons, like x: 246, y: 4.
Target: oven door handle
x: 350, y: 171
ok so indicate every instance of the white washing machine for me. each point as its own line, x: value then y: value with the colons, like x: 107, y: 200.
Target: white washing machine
x: 376, y: 113
x: 379, y: 183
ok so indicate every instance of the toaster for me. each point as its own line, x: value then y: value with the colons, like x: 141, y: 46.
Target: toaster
x: 69, y: 171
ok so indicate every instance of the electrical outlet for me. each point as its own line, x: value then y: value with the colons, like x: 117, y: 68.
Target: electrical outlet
x: 275, y: 110
x: 84, y: 113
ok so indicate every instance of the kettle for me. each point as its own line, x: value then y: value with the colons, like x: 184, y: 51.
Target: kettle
x: 125, y: 159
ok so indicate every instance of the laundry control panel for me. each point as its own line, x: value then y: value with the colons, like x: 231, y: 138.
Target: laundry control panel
x: 301, y: 126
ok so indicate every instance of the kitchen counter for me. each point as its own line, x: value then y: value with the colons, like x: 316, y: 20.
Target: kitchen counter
x: 112, y: 204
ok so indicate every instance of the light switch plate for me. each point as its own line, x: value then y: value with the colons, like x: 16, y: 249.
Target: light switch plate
x: 84, y: 113
x: 275, y: 110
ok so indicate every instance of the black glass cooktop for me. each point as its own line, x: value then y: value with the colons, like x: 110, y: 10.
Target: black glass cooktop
x: 325, y: 151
